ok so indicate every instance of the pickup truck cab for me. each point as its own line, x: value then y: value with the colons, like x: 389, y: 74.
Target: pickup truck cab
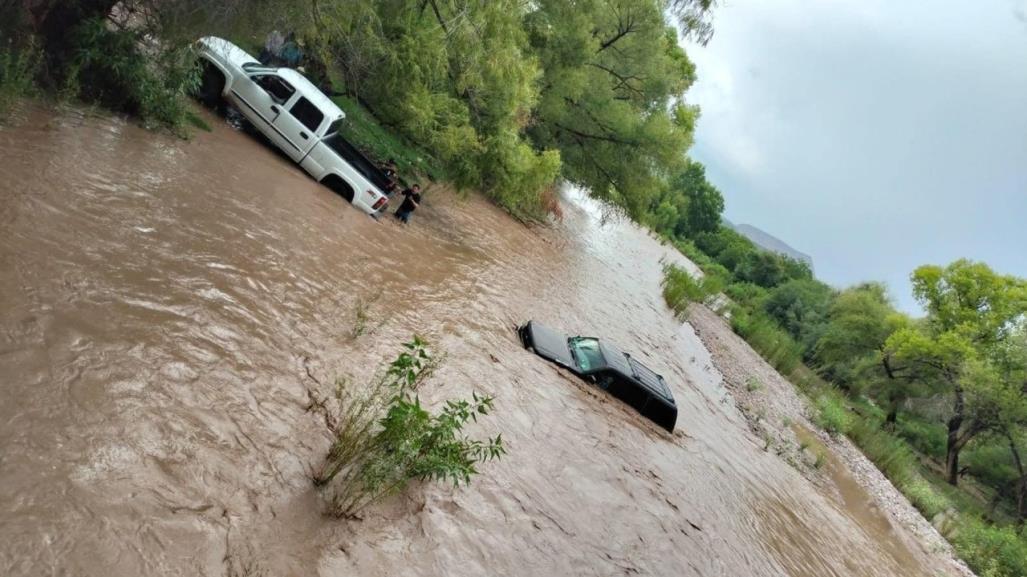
x: 295, y: 116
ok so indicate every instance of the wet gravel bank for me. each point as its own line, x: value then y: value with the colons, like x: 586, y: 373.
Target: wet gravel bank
x: 773, y: 408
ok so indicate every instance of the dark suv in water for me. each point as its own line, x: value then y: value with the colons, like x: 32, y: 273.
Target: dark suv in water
x: 604, y: 365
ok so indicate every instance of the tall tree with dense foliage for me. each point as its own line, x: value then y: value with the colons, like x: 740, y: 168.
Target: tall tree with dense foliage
x: 800, y: 307
x: 851, y: 347
x: 971, y: 312
x: 456, y: 76
x: 610, y: 98
x: 704, y: 202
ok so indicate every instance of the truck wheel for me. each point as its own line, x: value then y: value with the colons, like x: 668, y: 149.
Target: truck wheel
x: 212, y: 84
x: 339, y: 186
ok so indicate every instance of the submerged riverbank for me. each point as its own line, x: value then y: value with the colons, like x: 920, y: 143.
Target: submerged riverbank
x: 167, y: 307
x: 777, y: 413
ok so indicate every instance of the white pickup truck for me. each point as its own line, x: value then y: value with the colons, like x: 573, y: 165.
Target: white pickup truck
x: 293, y: 114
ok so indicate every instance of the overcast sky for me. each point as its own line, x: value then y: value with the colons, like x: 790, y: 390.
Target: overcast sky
x: 874, y: 135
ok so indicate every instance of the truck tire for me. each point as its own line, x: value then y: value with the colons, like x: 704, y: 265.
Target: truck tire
x: 339, y: 186
x: 212, y: 84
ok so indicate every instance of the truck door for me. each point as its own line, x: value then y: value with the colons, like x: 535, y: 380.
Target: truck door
x: 261, y: 98
x: 299, y: 126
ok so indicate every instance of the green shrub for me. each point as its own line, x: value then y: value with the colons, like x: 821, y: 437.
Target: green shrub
x: 991, y: 551
x: 891, y: 454
x: 747, y: 294
x: 680, y: 288
x: 990, y: 461
x: 832, y: 415
x: 18, y: 67
x: 769, y: 340
x: 926, y: 437
x: 694, y: 254
x: 925, y: 497
x: 110, y: 68
x: 867, y: 409
x: 384, y: 438
x: 364, y: 130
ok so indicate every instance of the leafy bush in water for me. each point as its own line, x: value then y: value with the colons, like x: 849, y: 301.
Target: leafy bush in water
x: 385, y: 438
x: 992, y: 551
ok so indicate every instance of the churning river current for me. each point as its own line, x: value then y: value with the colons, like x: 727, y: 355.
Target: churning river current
x: 167, y: 307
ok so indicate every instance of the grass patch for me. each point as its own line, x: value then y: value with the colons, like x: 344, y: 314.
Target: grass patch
x: 992, y: 551
x: 775, y: 345
x: 923, y: 495
x: 362, y: 319
x: 197, y: 121
x: 820, y: 461
x: 831, y: 413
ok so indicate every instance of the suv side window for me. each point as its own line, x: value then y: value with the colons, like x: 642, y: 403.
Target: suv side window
x: 279, y: 90
x: 308, y: 114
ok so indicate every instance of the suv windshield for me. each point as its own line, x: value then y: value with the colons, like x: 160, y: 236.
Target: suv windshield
x: 586, y: 352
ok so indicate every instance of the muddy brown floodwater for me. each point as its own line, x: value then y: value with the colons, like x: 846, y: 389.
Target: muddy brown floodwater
x: 161, y: 305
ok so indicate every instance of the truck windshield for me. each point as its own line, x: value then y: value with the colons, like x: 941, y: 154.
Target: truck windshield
x: 586, y: 352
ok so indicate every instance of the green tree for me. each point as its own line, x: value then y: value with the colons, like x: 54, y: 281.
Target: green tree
x: 800, y: 307
x: 972, y: 311
x: 704, y: 202
x: 613, y: 77
x: 851, y: 348
x: 456, y: 76
x: 1004, y: 394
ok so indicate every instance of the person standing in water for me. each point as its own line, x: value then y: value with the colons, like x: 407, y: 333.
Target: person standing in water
x: 411, y: 200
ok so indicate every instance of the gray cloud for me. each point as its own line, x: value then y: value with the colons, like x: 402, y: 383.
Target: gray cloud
x: 874, y: 135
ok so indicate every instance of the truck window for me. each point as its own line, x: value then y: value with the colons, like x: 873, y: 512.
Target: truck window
x: 308, y: 114
x: 279, y: 90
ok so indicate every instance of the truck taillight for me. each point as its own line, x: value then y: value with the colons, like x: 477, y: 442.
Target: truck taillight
x: 380, y: 203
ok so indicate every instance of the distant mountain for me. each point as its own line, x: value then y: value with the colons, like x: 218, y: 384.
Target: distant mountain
x: 767, y: 241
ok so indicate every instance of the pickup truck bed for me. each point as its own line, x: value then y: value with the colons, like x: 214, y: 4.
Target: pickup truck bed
x: 357, y: 160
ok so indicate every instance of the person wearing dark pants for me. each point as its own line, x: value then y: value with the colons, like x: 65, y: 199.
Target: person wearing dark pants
x: 411, y: 200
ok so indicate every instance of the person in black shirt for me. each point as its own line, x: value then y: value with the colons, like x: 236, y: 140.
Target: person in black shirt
x: 411, y: 200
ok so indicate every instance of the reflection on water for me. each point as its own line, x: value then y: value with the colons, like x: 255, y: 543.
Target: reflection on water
x: 162, y: 302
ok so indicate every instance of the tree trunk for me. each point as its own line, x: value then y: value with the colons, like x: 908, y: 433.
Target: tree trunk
x: 893, y: 398
x: 953, y: 445
x: 1021, y: 483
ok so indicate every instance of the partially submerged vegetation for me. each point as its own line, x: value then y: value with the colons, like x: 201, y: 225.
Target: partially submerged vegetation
x: 383, y: 437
